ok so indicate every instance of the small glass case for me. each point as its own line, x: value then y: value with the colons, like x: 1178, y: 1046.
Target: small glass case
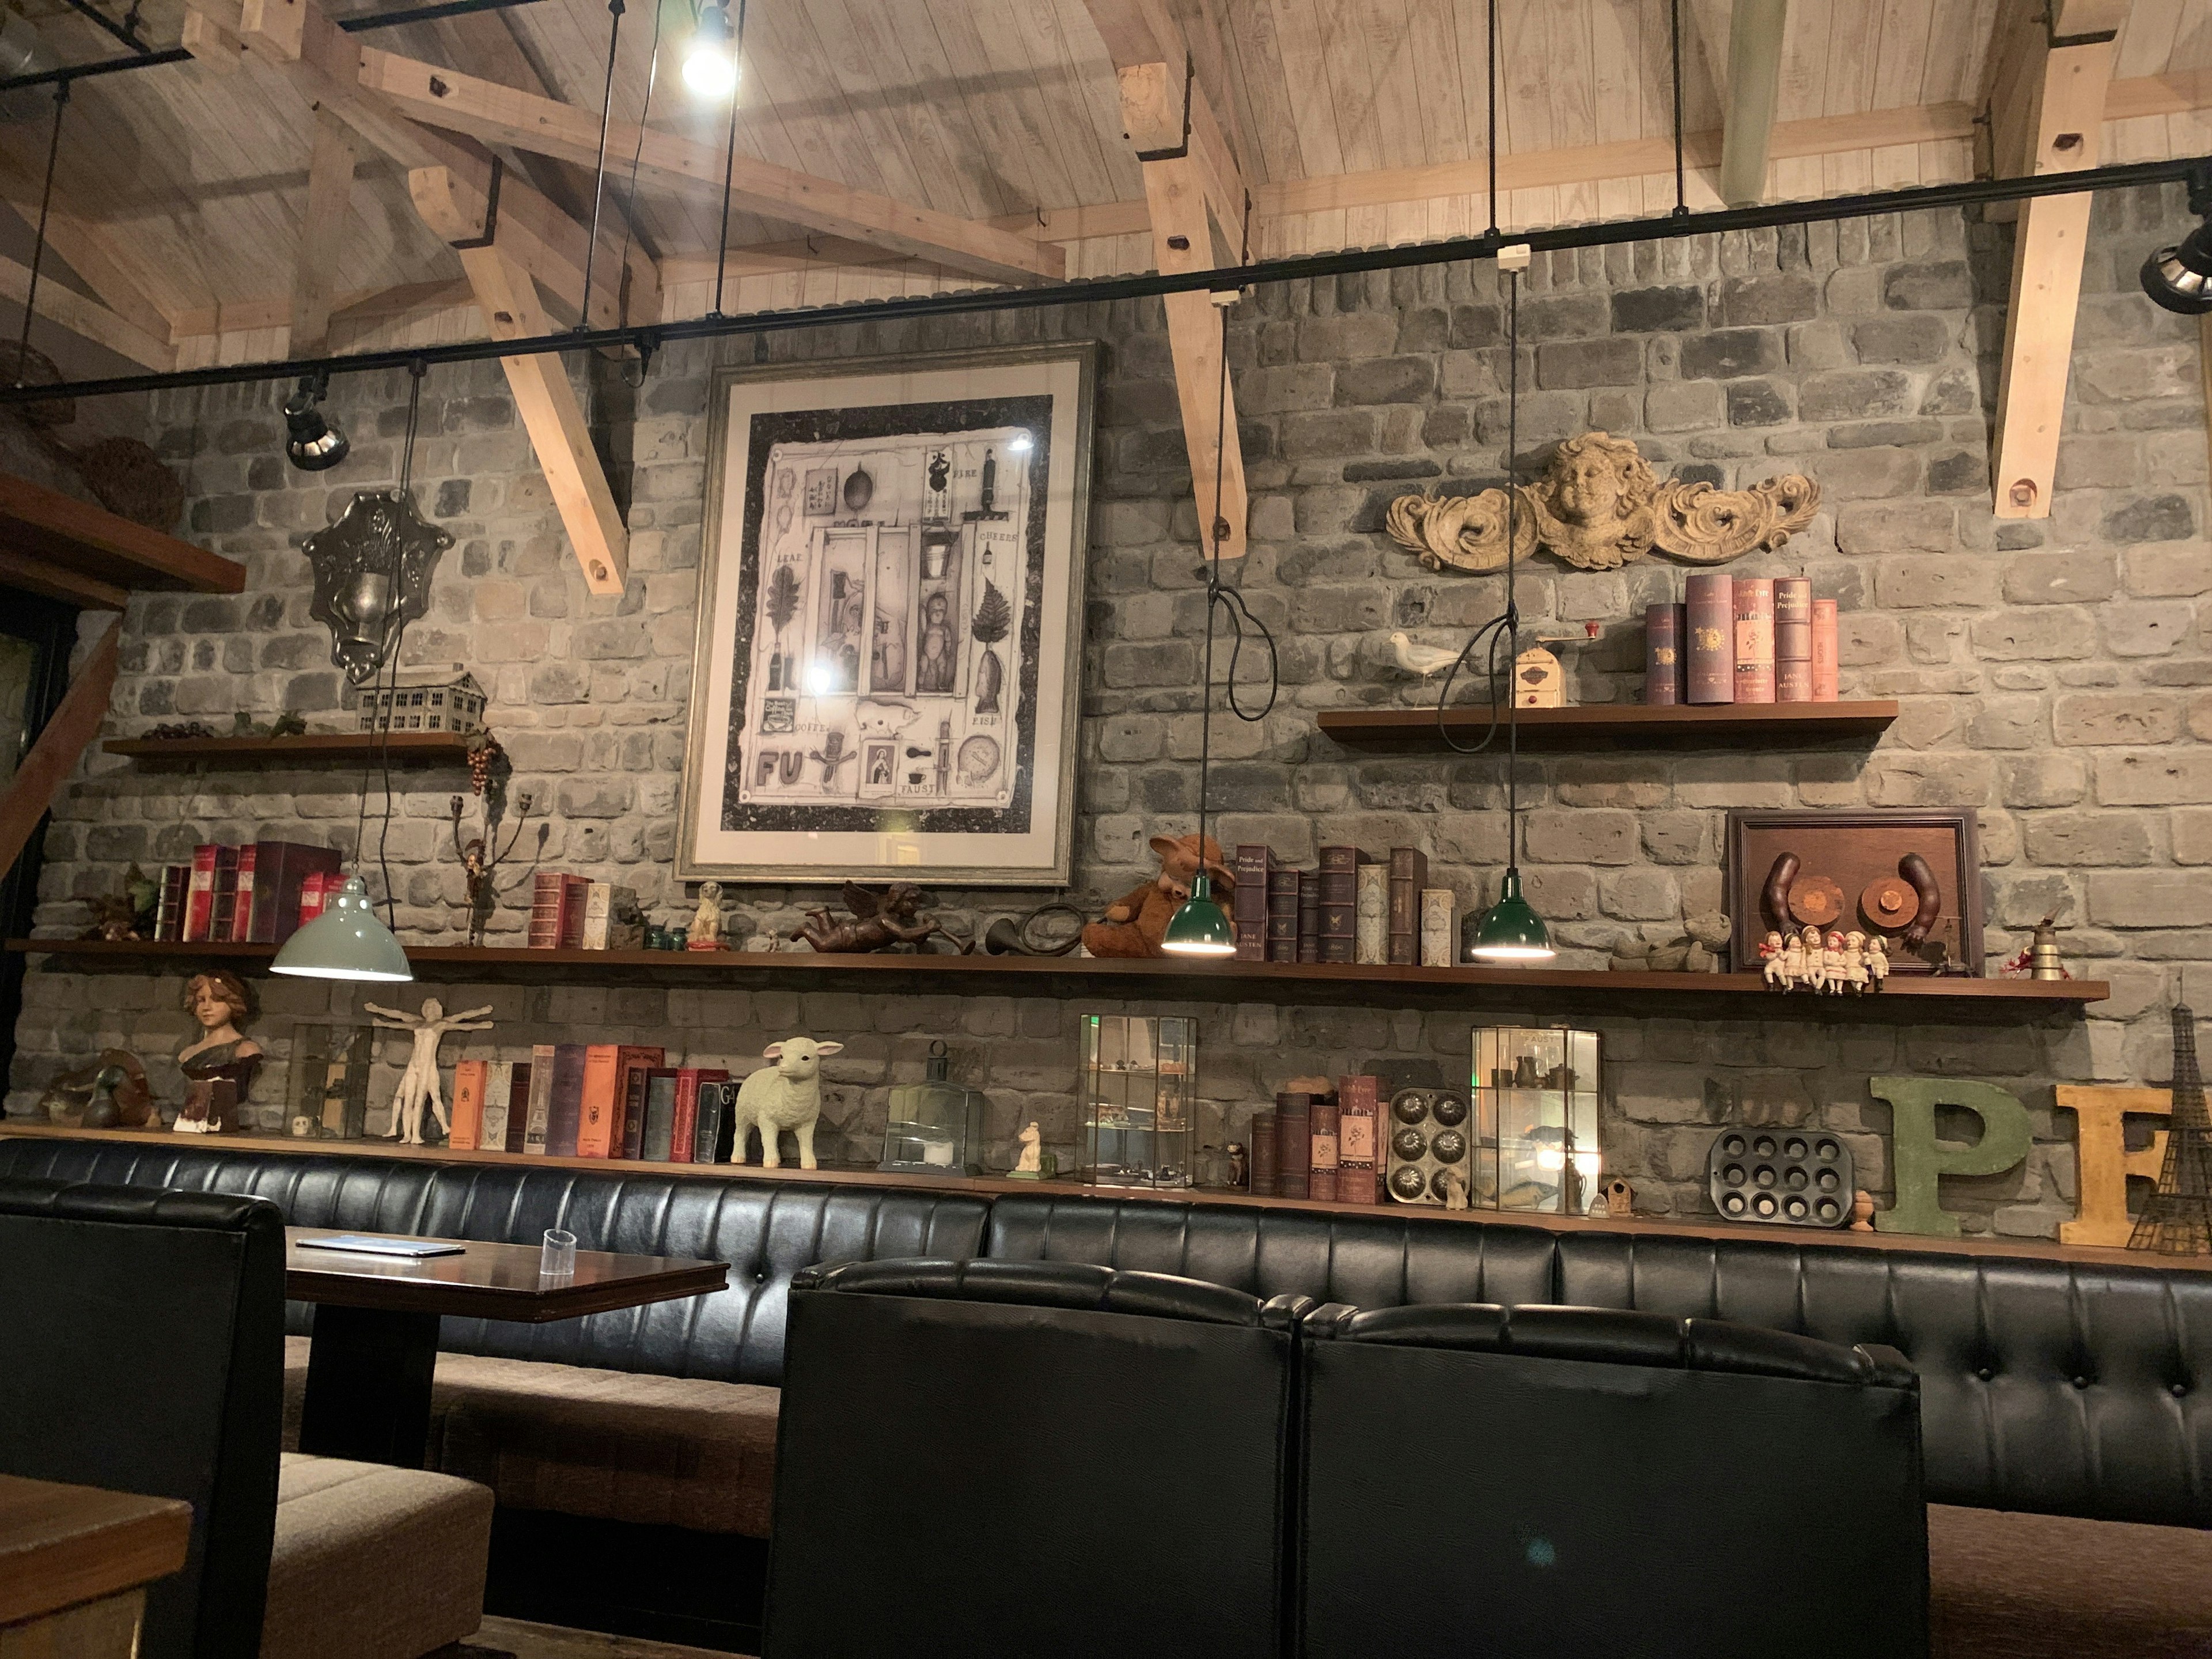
x: 328, y: 1097
x: 1139, y: 1093
x: 1535, y: 1119
x: 936, y: 1125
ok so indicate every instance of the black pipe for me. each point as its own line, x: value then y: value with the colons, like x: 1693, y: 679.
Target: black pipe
x: 122, y: 32
x: 380, y: 19
x: 1302, y: 267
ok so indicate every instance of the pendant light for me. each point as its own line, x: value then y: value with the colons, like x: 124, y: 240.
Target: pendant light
x: 710, y: 65
x: 1199, y: 927
x: 313, y: 442
x: 2179, y: 278
x: 1512, y: 931
x: 348, y: 941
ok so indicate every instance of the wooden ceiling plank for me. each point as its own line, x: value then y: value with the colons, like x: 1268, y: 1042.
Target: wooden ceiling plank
x: 88, y: 318
x: 911, y: 116
x: 973, y: 153
x: 1755, y: 39
x: 499, y: 114
x: 1266, y: 95
x: 544, y: 395
x: 322, y: 233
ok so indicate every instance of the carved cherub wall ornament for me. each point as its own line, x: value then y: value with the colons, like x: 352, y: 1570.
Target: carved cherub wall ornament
x: 1600, y: 506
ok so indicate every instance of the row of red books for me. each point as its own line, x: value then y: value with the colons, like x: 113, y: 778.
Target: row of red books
x: 1324, y: 1145
x: 593, y: 1100
x: 262, y: 892
x: 1286, y: 914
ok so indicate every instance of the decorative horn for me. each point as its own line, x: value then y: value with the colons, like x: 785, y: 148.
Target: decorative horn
x: 1914, y: 869
x: 1775, y: 893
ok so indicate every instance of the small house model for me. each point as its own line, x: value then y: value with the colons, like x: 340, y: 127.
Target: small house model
x: 447, y: 699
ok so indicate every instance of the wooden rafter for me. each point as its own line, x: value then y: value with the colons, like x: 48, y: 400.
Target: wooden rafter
x: 497, y: 114
x: 60, y: 744
x: 86, y: 319
x: 544, y: 395
x: 322, y: 233
x: 2046, y: 115
x: 1754, y: 83
x: 107, y: 268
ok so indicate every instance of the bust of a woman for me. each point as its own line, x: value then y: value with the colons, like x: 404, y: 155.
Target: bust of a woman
x: 219, y: 1064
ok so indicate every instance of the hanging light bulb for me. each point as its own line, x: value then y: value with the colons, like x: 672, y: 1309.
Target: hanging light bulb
x: 710, y: 65
x: 313, y: 442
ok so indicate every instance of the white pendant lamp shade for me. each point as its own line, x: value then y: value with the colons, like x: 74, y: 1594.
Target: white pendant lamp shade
x: 347, y: 941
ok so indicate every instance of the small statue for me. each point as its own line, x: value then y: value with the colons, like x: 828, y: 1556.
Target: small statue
x: 1239, y: 1169
x: 785, y: 1095
x: 1877, y: 961
x: 1832, y: 963
x: 418, y: 1084
x: 221, y: 1063
x: 1136, y: 923
x: 1451, y: 1185
x: 482, y: 857
x: 706, y: 929
x: 879, y: 920
x: 1777, y: 970
x: 1854, y: 960
x: 1030, y: 1166
x: 1815, y: 977
x: 111, y: 1093
x: 1861, y: 1211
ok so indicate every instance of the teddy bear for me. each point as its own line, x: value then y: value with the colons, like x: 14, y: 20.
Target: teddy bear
x: 1135, y: 923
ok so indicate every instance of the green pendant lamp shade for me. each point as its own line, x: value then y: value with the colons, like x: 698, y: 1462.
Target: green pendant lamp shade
x: 1512, y: 931
x: 347, y: 941
x: 1198, y: 928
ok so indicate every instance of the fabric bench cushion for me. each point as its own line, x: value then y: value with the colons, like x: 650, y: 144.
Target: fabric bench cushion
x: 373, y: 1562
x: 2004, y: 1585
x: 609, y: 1446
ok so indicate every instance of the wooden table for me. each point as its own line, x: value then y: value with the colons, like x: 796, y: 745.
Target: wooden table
x: 75, y: 1562
x: 376, y: 1325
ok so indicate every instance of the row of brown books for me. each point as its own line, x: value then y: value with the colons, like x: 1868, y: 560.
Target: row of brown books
x: 262, y: 892
x: 1319, y: 1144
x: 1741, y: 639
x: 568, y: 912
x: 595, y: 1100
x: 1353, y: 908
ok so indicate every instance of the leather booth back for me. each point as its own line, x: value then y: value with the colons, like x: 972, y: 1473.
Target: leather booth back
x: 1483, y: 1479
x: 766, y: 1232
x: 1022, y: 1458
x: 2046, y: 1386
x: 145, y: 1354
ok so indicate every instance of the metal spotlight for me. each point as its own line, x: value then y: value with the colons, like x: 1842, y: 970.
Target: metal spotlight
x: 710, y: 66
x: 312, y: 443
x: 2180, y: 277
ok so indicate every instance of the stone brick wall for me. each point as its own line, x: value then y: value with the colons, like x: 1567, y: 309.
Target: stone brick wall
x: 2054, y: 673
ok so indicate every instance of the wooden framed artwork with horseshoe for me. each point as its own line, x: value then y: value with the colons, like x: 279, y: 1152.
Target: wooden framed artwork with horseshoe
x: 1911, y: 874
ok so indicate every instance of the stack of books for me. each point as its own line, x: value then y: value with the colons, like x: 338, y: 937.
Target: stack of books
x: 1742, y: 640
x: 260, y: 893
x: 574, y: 913
x: 1284, y: 914
x: 1319, y: 1144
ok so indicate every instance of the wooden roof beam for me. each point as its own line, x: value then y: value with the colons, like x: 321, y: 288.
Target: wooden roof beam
x: 1754, y: 83
x: 544, y: 395
x: 544, y: 126
x: 322, y: 233
x: 88, y: 318
x: 2051, y: 119
x: 60, y: 745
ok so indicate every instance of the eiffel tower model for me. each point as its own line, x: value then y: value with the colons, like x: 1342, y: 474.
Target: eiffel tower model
x: 2178, y: 1219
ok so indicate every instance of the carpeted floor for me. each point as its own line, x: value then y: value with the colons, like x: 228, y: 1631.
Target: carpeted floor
x: 513, y: 1640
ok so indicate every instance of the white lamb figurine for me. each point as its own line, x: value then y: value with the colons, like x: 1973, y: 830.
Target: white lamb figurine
x: 785, y: 1095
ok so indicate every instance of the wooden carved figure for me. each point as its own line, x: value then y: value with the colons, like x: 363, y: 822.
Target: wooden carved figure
x: 418, y: 1084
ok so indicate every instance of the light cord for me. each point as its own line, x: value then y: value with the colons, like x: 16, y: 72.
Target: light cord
x: 599, y: 174
x: 39, y: 247
x: 1490, y: 78
x: 729, y: 163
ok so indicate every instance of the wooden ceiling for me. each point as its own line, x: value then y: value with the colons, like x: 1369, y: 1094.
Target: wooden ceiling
x: 184, y: 190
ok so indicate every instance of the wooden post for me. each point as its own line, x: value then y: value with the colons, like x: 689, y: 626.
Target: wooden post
x: 1754, y: 84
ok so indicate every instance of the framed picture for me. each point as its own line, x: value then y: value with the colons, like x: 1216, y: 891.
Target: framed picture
x: 1870, y: 870
x: 891, y: 612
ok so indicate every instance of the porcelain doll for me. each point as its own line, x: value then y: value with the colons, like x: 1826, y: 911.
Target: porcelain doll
x: 1832, y: 963
x: 1777, y: 960
x: 1855, y: 959
x: 1877, y: 961
x: 219, y: 1064
x: 1815, y: 977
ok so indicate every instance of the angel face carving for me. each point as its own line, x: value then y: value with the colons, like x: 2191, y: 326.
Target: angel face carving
x: 373, y: 570
x: 1599, y: 506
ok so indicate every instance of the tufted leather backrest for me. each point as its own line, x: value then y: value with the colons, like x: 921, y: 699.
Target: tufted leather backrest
x: 765, y: 1231
x: 2044, y: 1386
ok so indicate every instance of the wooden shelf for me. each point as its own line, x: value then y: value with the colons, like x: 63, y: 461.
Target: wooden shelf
x: 1743, y: 996
x: 1619, y: 725
x: 1651, y: 1226
x: 68, y: 549
x: 309, y: 749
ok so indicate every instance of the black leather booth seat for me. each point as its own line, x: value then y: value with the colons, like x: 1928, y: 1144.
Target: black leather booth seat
x: 2047, y: 1387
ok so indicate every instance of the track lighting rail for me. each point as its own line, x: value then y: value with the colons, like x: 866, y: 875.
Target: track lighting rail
x: 1762, y: 216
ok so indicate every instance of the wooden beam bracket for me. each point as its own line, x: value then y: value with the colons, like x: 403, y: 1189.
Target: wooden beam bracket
x: 1182, y: 148
x: 491, y: 213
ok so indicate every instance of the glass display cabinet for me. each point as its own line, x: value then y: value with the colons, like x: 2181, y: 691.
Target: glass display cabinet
x: 328, y: 1096
x: 1535, y: 1119
x: 1140, y: 1087
x: 936, y: 1125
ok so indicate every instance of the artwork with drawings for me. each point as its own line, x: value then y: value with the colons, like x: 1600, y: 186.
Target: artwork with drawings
x: 899, y: 587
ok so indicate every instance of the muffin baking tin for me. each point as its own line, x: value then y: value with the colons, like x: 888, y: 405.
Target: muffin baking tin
x: 1430, y: 1145
x: 1790, y: 1177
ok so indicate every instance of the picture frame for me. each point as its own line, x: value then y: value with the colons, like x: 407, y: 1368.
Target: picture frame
x: 1852, y: 849
x: 887, y: 666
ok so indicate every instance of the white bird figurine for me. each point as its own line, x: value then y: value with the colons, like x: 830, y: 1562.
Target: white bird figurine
x: 1421, y: 660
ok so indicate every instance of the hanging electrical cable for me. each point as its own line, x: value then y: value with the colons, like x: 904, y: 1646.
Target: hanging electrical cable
x: 729, y: 165
x: 599, y: 173
x: 1674, y: 37
x: 1490, y: 153
x: 39, y: 246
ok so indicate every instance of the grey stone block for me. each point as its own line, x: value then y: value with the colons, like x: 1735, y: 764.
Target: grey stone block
x: 1936, y: 285
x: 1615, y: 360
x: 1727, y: 354
x: 1784, y: 296
x: 1914, y: 339
x: 1854, y: 394
x: 1647, y: 310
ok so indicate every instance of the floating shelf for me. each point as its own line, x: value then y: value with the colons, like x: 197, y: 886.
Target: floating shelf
x: 1064, y: 1187
x: 1619, y: 725
x: 311, y: 749
x: 1740, y: 996
x: 70, y: 550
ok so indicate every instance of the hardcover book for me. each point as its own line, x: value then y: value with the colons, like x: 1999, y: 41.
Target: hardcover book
x: 317, y: 891
x: 538, y: 1120
x: 1753, y: 603
x: 565, y: 1111
x: 634, y: 1086
x: 1282, y: 915
x: 498, y: 1090
x: 1710, y: 615
x: 469, y: 1083
x: 1339, y: 903
x: 1409, y: 873
x: 1248, y: 908
x: 1263, y: 1179
x: 1825, y: 644
x: 223, y: 913
x: 241, y: 903
x: 1294, y: 1146
x: 169, y: 912
x: 200, y: 900
x: 1309, y: 915
x: 1321, y: 1162
x: 1370, y: 940
x: 1358, y: 1106
x: 1665, y: 667
x: 1793, y: 619
x: 271, y: 898
x: 684, y: 1133
x: 622, y: 1140
x: 710, y: 1141
x: 574, y: 891
x: 595, y: 1119
x: 1439, y: 938
x: 659, y: 1114
x: 545, y: 896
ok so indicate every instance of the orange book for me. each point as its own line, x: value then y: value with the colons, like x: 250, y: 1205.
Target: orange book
x: 468, y: 1104
x: 631, y: 1065
x: 602, y: 1096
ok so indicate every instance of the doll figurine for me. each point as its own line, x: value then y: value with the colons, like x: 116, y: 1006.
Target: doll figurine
x: 1816, y: 972
x: 1832, y: 963
x: 219, y: 1064
x: 706, y: 932
x: 1775, y: 958
x: 1877, y: 961
x: 1854, y: 960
